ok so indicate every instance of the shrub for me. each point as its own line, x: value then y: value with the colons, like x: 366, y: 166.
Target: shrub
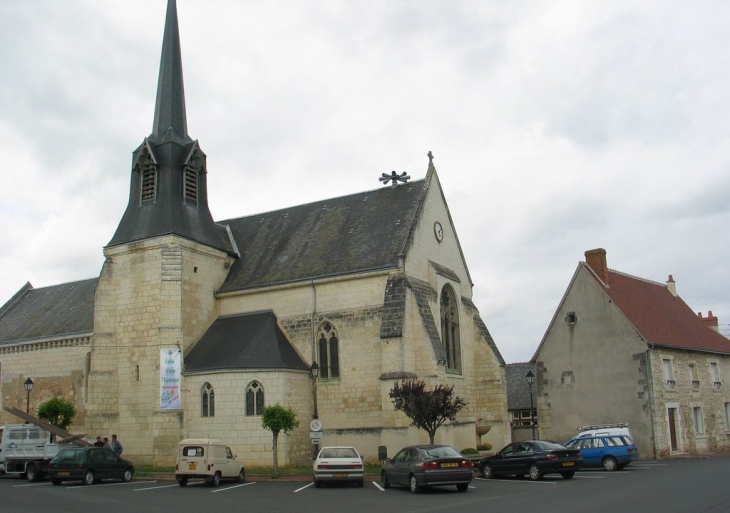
x: 469, y: 451
x: 484, y: 447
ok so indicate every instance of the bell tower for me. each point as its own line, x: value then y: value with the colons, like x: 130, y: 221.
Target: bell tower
x: 156, y: 291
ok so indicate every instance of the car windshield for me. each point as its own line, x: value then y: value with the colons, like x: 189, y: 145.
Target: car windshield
x: 69, y: 455
x: 339, y: 452
x: 441, y: 452
x: 548, y: 446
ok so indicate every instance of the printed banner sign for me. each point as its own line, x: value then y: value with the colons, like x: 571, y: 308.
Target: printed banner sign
x: 170, y: 379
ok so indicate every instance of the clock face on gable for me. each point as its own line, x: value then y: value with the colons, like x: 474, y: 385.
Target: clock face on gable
x: 438, y: 231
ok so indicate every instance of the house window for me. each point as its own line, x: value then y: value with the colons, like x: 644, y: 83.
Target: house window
x: 715, y: 375
x: 693, y: 381
x: 699, y: 424
x: 207, y: 401
x: 450, y: 330
x: 727, y: 416
x: 329, y: 351
x: 254, y: 399
x: 668, y: 373
x: 571, y: 318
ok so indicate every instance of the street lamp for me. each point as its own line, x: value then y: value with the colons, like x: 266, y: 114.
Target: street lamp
x: 28, y: 387
x: 530, y: 380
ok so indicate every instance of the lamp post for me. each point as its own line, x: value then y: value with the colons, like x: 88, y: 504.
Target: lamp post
x: 530, y: 380
x: 28, y: 387
x: 314, y: 373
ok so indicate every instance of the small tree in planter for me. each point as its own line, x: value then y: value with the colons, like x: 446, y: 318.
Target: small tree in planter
x: 58, y: 412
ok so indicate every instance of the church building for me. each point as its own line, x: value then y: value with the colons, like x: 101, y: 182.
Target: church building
x: 194, y: 325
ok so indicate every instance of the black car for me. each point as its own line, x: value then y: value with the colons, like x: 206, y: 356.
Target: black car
x: 421, y: 466
x: 534, y: 458
x: 88, y: 465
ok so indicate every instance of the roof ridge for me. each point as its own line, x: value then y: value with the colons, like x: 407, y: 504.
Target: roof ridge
x: 639, y: 278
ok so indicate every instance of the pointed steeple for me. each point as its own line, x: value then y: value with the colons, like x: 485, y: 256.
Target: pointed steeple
x: 168, y: 193
x: 170, y: 104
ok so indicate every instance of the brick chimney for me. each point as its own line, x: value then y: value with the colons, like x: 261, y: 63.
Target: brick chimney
x: 596, y: 260
x: 672, y: 286
x: 710, y: 321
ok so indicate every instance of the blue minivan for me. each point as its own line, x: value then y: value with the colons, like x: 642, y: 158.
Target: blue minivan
x: 612, y: 452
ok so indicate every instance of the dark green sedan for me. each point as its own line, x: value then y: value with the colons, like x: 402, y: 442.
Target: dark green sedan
x: 89, y: 465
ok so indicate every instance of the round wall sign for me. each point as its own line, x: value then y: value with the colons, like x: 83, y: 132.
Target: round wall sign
x: 315, y: 425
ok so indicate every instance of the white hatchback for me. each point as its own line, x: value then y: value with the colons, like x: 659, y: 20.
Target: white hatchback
x: 334, y: 464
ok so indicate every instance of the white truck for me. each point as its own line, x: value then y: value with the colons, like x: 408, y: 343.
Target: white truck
x: 26, y: 450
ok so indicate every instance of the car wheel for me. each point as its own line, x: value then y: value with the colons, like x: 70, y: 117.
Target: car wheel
x: 56, y: 482
x: 89, y: 478
x: 384, y: 479
x: 486, y: 471
x: 127, y: 476
x: 360, y: 483
x: 413, y: 482
x: 241, y: 476
x: 609, y: 464
x: 216, y: 480
x: 462, y: 487
x: 535, y: 472
x: 568, y: 475
x: 31, y: 473
x: 183, y: 481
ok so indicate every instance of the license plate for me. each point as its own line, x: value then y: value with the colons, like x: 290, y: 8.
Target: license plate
x: 449, y: 465
x: 64, y: 473
x: 192, y: 466
x: 568, y: 464
x: 341, y: 475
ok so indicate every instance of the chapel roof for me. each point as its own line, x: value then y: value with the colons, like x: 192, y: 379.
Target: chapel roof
x: 56, y: 311
x: 356, y: 233
x: 246, y: 341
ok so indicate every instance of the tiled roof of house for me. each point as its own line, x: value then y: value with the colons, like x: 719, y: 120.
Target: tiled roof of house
x: 56, y: 311
x: 518, y: 391
x: 661, y: 317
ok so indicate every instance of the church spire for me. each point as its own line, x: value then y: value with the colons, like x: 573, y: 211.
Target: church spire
x: 170, y: 104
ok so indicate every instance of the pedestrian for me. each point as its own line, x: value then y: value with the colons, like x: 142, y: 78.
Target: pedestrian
x: 106, y: 444
x: 99, y: 442
x: 117, y: 446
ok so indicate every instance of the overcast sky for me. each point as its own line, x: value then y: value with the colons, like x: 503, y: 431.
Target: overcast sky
x: 556, y: 126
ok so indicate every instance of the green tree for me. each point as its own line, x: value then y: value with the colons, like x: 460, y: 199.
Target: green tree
x: 427, y: 409
x: 278, y: 419
x: 57, y: 411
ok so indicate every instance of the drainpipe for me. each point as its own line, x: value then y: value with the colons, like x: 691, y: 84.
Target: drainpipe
x: 650, y: 383
x: 311, y: 321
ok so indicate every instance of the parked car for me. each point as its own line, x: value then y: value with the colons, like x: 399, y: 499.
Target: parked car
x: 610, y: 452
x: 343, y: 464
x: 421, y: 466
x: 208, y: 459
x: 88, y: 465
x: 534, y: 458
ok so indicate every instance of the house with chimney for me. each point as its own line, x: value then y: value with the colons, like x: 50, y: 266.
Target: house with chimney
x: 620, y: 348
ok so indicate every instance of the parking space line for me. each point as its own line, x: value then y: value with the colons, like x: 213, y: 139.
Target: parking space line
x: 155, y: 487
x: 233, y: 487
x: 303, y: 488
x: 376, y: 485
x: 31, y: 484
x: 104, y: 485
x: 523, y: 481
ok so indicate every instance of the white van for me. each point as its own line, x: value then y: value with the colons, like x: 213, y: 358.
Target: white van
x: 208, y: 459
x: 619, y: 429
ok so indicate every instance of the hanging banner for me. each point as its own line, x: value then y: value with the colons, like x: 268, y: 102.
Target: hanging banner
x: 170, y: 380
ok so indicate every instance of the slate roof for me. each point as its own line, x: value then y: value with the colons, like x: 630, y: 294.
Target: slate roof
x: 349, y: 234
x: 518, y: 391
x: 661, y: 317
x: 247, y: 341
x: 56, y: 311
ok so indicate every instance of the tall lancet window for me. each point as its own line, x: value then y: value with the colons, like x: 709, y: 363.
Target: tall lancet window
x: 207, y: 401
x: 254, y: 399
x: 329, y: 351
x: 194, y: 166
x: 450, y: 330
x: 147, y: 168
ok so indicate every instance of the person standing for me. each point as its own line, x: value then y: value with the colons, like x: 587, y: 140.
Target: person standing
x: 106, y: 444
x: 98, y: 442
x: 117, y: 446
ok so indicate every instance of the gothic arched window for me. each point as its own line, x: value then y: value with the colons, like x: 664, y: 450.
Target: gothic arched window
x: 450, y: 330
x: 207, y: 401
x: 254, y: 399
x: 329, y: 351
